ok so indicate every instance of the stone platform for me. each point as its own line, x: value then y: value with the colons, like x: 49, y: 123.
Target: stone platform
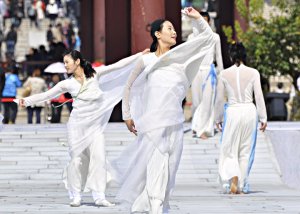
x: 32, y: 161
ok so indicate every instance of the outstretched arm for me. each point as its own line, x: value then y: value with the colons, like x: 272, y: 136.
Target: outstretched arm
x: 118, y: 65
x: 137, y: 70
x: 58, y: 89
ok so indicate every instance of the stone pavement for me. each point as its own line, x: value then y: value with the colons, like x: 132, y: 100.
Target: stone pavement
x: 32, y: 161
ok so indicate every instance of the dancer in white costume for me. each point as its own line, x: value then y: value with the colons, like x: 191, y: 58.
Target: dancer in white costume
x: 146, y: 169
x: 95, y: 93
x: 240, y: 121
x: 204, y: 90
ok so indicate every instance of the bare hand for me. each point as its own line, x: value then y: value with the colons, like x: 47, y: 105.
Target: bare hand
x: 192, y: 13
x: 219, y: 126
x: 263, y: 126
x: 21, y: 103
x: 131, y: 127
x: 146, y: 51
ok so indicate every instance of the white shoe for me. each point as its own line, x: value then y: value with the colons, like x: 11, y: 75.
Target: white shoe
x: 104, y: 203
x: 75, y: 204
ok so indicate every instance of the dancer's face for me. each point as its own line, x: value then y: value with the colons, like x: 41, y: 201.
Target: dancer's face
x: 168, y: 35
x: 70, y: 64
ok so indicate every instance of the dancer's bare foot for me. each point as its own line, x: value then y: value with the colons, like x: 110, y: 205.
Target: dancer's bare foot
x: 203, y: 137
x: 242, y: 193
x: 233, y: 188
x: 194, y: 132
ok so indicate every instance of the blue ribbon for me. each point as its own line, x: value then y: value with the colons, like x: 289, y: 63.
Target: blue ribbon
x: 225, y: 118
x: 214, y: 79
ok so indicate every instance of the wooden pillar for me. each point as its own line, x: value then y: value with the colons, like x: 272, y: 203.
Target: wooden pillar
x: 99, y: 36
x: 173, y: 14
x: 226, y: 14
x: 143, y: 13
x: 87, y: 28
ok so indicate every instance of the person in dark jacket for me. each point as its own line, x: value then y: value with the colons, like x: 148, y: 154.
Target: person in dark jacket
x: 11, y: 40
x: 49, y: 35
x: 12, y: 82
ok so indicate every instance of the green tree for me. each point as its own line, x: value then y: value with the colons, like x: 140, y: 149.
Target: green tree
x: 273, y: 43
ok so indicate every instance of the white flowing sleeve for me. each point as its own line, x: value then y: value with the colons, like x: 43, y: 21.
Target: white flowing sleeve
x: 116, y: 66
x: 220, y: 100
x: 219, y: 58
x: 200, y: 25
x: 58, y: 89
x: 137, y: 70
x: 259, y: 100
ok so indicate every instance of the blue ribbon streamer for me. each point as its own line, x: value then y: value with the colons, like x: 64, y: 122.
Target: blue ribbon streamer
x: 225, y: 118
x: 214, y: 79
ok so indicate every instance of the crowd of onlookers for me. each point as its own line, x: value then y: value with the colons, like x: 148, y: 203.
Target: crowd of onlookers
x: 37, y: 10
x: 35, y: 84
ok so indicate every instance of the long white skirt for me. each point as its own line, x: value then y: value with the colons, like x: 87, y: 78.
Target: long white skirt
x: 238, y: 146
x: 86, y: 171
x: 147, y: 168
x: 203, y: 103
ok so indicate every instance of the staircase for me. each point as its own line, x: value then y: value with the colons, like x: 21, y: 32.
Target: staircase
x: 22, y: 46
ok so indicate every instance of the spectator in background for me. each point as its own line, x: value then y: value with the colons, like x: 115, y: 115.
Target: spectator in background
x: 279, y: 88
x: 71, y: 37
x: 52, y: 11
x: 40, y: 9
x: 57, y: 33
x: 3, y: 10
x: 12, y: 82
x: 56, y: 112
x: 65, y: 33
x: 205, y: 6
x: 32, y: 15
x: 37, y: 85
x: 78, y: 42
x: 11, y: 40
x: 49, y: 35
x: 2, y: 83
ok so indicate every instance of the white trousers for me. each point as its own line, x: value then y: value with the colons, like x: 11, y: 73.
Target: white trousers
x: 86, y: 171
x: 203, y: 103
x: 238, y: 146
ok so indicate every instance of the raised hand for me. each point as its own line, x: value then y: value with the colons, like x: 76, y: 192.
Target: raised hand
x: 131, y: 127
x: 192, y: 13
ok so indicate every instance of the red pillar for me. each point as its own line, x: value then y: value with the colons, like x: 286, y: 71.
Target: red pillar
x: 99, y: 30
x: 237, y: 17
x: 143, y: 13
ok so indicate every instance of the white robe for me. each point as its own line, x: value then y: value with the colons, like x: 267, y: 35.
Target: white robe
x: 147, y: 168
x: 93, y: 102
x: 203, y: 99
x: 240, y: 124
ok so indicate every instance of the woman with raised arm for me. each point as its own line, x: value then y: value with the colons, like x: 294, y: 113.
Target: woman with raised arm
x: 239, y: 129
x: 95, y: 93
x: 152, y: 100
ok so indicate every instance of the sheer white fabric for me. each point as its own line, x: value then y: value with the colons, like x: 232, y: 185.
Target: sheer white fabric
x: 93, y: 102
x: 156, y: 88
x: 217, y: 54
x: 240, y: 83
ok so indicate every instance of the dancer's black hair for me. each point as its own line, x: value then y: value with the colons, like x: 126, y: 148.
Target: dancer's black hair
x: 156, y: 26
x: 238, y: 53
x: 87, y: 67
x: 205, y: 14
